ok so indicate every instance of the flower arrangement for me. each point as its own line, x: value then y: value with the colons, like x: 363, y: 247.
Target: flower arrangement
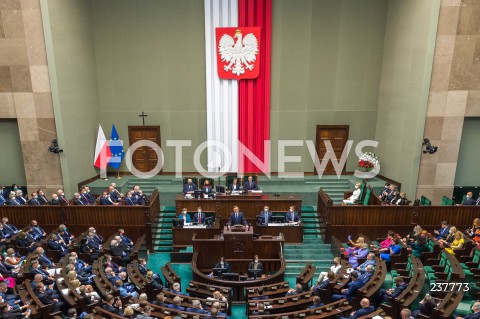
x: 368, y: 161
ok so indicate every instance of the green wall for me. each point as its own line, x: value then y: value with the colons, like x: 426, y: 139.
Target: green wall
x: 150, y: 56
x: 326, y: 64
x: 12, y: 169
x: 407, y: 65
x: 70, y: 52
x: 467, y: 173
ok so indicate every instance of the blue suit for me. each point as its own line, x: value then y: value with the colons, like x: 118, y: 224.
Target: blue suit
x: 105, y: 201
x: 469, y: 202
x: 197, y: 310
x: 34, y: 202
x: 361, y: 312
x: 351, y: 291
x: 129, y: 201
x: 90, y: 198
x: 172, y: 306
x: 265, y: 216
x: 365, y: 264
x: 10, y: 229
x: 207, y: 190
x: 12, y: 202
x: 2, y: 200
x: 62, y: 249
x: 289, y: 218
x: 315, y: 305
x: 189, y: 187
x: 21, y: 200
x: 443, y: 232
x: 199, y: 219
x: 44, y: 261
x: 187, y: 217
x: 235, y: 187
x: 250, y: 186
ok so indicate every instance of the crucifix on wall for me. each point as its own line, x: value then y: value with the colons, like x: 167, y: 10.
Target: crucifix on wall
x: 143, y: 116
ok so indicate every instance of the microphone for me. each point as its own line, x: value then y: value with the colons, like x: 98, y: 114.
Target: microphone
x: 276, y: 190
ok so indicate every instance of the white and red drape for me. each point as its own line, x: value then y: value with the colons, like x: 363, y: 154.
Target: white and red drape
x: 238, y: 111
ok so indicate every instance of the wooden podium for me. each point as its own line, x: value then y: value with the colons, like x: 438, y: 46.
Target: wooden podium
x: 236, y: 245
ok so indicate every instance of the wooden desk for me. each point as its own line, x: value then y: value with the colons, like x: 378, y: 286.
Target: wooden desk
x: 292, y: 234
x: 182, y: 236
x: 235, y: 245
x: 250, y: 205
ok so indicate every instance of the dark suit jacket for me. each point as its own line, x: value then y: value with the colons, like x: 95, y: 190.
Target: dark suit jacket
x: 105, y: 201
x: 235, y: 187
x: 176, y: 307
x: 207, y: 190
x: 117, y: 251
x: 262, y: 216
x: 352, y: 288
x: 239, y: 220
x: 250, y: 187
x: 288, y: 217
x: 197, y: 220
x: 189, y: 187
x: 398, y: 290
x: 45, y: 298
x: 225, y: 266
x: 472, y: 316
x: 42, y: 199
x: 469, y: 202
x: 2, y: 200
x: 113, y: 309
x: 362, y: 312
x: 78, y: 201
x: 34, y: 202
x: 54, y: 202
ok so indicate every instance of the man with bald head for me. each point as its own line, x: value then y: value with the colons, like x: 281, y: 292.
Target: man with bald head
x: 475, y: 310
x: 365, y: 310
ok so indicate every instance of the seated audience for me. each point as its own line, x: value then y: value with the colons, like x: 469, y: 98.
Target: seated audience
x: 189, y: 187
x: 386, y: 296
x: 160, y: 300
x: 260, y: 295
x: 387, y: 199
x: 20, y: 199
x: 317, y: 302
x: 324, y: 283
x: 413, y: 235
x: 37, y: 232
x: 57, y: 244
x: 43, y: 259
x: 222, y: 264
x: 113, y: 304
x: 406, y: 314
x: 47, y: 299
x: 176, y: 289
x: 355, y: 195
x: 425, y: 307
x: 419, y: 246
x: 369, y: 262
x: 354, y: 245
x: 24, y: 240
x: 55, y: 201
x: 41, y: 197
x: 62, y: 199
x: 255, y: 268
x: 12, y: 201
x: 469, y: 201
x: 8, y: 228
x: 385, y: 192
x: 177, y: 304
x: 34, y: 200
x: 260, y: 310
x: 388, y: 240
x: 458, y: 243
x: 196, y: 307
x: 335, y: 268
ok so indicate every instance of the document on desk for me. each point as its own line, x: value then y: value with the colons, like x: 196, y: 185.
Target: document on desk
x: 194, y: 226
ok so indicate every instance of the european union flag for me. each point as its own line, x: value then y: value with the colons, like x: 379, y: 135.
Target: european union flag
x: 116, y: 147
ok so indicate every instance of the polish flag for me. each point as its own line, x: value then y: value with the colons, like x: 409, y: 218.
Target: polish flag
x: 102, y: 151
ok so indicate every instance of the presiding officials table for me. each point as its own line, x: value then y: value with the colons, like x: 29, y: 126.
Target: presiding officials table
x: 249, y: 204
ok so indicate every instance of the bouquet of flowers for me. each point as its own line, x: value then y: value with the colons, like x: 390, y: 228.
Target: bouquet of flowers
x: 368, y: 161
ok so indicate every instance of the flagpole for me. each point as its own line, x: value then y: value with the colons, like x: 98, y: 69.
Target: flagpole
x: 118, y: 173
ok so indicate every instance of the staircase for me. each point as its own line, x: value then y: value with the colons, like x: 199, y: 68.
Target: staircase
x: 335, y: 188
x: 313, y: 250
x: 162, y: 230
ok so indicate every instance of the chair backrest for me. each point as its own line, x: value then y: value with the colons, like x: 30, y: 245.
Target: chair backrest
x: 202, y: 180
x: 447, y: 201
x: 425, y: 201
x: 229, y: 180
x: 362, y: 192
x: 367, y: 196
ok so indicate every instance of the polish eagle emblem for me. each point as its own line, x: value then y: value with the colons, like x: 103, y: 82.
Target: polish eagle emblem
x: 240, y: 54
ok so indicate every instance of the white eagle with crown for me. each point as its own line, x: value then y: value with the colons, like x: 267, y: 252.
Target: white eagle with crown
x: 239, y: 53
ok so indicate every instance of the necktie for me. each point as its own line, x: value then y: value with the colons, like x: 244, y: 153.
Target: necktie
x: 200, y: 218
x: 236, y: 218
x: 477, y: 203
x: 292, y: 218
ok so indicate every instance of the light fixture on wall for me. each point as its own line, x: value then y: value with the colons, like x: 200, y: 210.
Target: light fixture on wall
x: 429, y: 148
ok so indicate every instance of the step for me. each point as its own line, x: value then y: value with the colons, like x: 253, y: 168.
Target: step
x: 162, y: 242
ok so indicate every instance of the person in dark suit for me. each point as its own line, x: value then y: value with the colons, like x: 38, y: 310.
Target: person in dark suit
x: 55, y: 201
x: 34, y: 200
x: 265, y: 215
x: 207, y: 188
x: 255, y: 268
x: 365, y: 310
x: 43, y: 259
x: 469, y: 201
x: 89, y: 196
x: 12, y: 201
x: 351, y: 291
x: 113, y: 305
x: 7, y: 270
x: 237, y: 217
x: 177, y: 304
x: 387, y: 295
x: 401, y: 200
x: 37, y: 231
x: 26, y: 242
x: 292, y: 216
x: 9, y: 228
x: 116, y: 250
x: 196, y: 307
x: 443, y: 232
x: 389, y: 195
x: 37, y: 269
x: 250, y: 184
x: 189, y: 187
x: 42, y: 198
x: 298, y: 290
x: 222, y: 264
x: 62, y: 199
x: 20, y: 199
x: 54, y: 243
x: 2, y: 198
x: 199, y: 216
x: 106, y: 200
x: 235, y: 185
x: 260, y: 295
x: 129, y: 199
x: 317, y: 302
x: 160, y: 300
x: 124, y: 239
x: 385, y: 192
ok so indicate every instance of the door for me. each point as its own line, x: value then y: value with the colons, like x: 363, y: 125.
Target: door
x: 144, y: 158
x: 338, y: 136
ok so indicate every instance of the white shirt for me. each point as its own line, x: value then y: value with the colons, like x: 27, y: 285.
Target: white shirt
x: 355, y: 195
x: 336, y: 269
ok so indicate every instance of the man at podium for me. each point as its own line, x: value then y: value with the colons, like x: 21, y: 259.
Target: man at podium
x: 237, y: 217
x: 292, y: 216
x: 222, y: 264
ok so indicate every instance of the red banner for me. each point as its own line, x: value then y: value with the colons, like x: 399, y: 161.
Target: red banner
x: 238, y: 52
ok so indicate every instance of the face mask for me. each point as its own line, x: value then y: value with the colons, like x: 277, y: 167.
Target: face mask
x: 256, y: 260
x: 291, y: 210
x: 356, y: 187
x: 36, y: 196
x: 199, y: 210
x: 15, y: 188
x: 266, y: 210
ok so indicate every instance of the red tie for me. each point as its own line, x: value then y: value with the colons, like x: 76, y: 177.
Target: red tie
x: 65, y: 200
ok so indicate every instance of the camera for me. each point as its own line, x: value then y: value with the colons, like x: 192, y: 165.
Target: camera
x: 54, y: 147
